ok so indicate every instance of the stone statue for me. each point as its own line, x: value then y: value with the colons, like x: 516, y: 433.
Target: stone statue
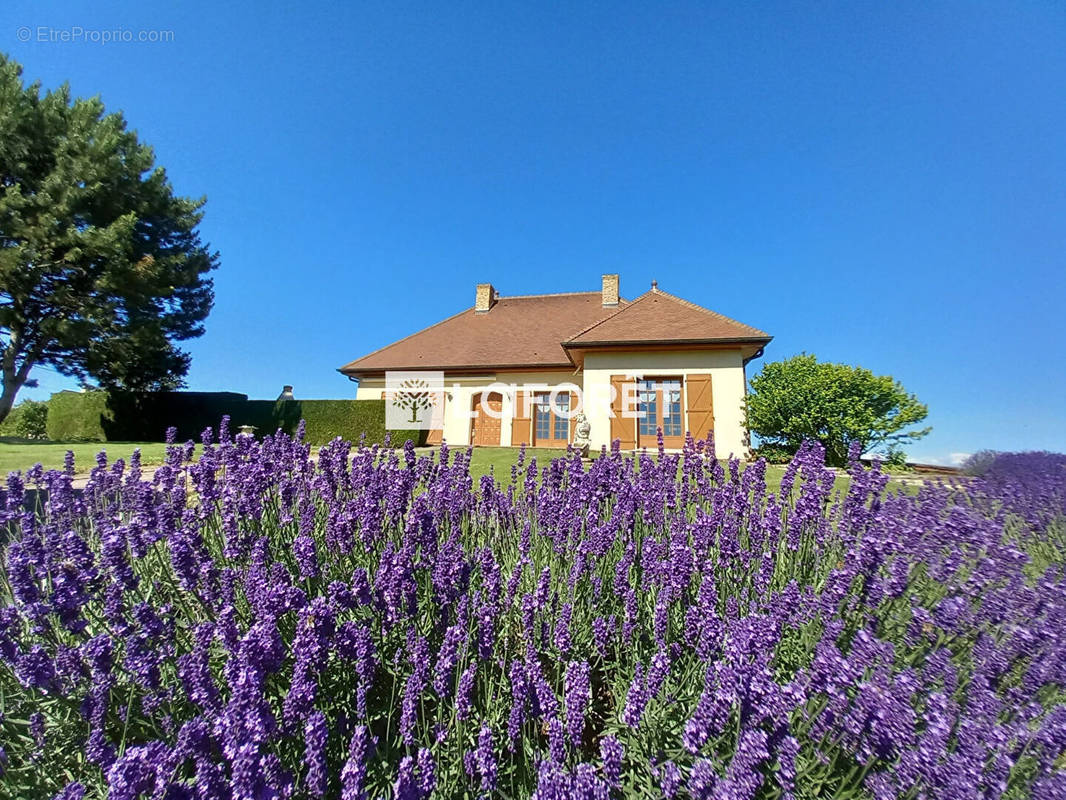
x: 582, y: 429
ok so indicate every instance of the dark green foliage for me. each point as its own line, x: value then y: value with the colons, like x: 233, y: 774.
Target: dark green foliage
x: 77, y: 416
x: 328, y: 419
x: 27, y: 420
x: 772, y: 453
x: 324, y: 420
x: 835, y: 404
x: 145, y: 416
x: 102, y: 269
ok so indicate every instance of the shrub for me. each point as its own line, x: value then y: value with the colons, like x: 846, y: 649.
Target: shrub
x: 128, y: 416
x: 325, y: 420
x: 838, y: 405
x: 27, y: 420
x: 260, y: 625
x: 77, y: 416
x: 773, y: 454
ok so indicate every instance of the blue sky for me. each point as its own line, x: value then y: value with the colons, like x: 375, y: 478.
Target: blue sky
x: 878, y: 184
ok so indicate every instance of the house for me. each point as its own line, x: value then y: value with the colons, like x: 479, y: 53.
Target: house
x: 518, y: 370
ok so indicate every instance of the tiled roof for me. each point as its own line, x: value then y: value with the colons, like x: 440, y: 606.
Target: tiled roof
x: 536, y: 332
x: 657, y: 317
x: 525, y: 331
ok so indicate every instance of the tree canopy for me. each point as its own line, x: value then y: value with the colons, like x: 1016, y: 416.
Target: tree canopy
x: 102, y: 268
x: 835, y: 404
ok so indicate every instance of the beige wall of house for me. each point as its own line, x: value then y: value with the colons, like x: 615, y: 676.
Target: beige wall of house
x: 461, y: 389
x: 726, y: 368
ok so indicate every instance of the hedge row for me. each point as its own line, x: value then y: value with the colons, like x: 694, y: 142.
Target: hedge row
x: 144, y: 417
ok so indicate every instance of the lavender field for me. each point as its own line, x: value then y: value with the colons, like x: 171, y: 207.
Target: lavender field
x: 377, y: 624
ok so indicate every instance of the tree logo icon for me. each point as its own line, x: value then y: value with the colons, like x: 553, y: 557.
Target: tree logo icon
x: 414, y: 400
x: 416, y: 395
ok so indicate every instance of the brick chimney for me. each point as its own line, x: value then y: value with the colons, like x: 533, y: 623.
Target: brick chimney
x: 610, y: 290
x: 484, y: 298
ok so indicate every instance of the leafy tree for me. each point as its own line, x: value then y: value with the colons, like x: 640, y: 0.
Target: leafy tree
x: 27, y: 420
x: 101, y: 266
x: 836, y: 404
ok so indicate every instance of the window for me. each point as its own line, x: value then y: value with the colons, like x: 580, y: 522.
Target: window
x: 542, y: 410
x: 671, y: 391
x: 660, y: 401
x: 550, y: 428
x: 647, y: 397
x: 562, y: 424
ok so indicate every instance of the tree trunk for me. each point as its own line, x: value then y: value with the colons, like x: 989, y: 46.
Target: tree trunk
x: 7, y: 396
x: 14, y: 375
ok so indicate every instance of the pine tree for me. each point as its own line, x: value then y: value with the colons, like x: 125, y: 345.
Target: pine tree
x: 102, y: 269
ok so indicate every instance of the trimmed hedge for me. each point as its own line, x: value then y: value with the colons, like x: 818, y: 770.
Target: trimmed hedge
x: 324, y: 420
x: 144, y: 417
x: 77, y: 416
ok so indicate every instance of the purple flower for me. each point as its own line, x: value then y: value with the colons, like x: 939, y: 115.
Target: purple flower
x: 914, y: 637
x: 552, y: 782
x: 406, y: 784
x: 72, y: 791
x: 587, y: 785
x: 636, y: 698
x: 464, y: 706
x: 353, y: 774
x: 519, y: 697
x: 427, y: 772
x: 562, y: 629
x: 611, y: 754
x: 702, y: 781
x: 303, y: 549
x: 140, y: 770
x: 315, y: 734
x: 578, y: 697
x: 485, y: 758
x: 670, y: 779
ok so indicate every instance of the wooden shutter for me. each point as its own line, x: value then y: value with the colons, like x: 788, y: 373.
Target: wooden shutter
x: 435, y: 436
x: 700, y: 405
x: 521, y: 423
x: 623, y: 429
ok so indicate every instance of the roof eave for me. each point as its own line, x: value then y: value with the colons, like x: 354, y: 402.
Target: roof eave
x: 568, y: 345
x: 367, y: 371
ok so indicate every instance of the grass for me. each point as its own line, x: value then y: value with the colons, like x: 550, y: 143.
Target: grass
x: 500, y: 459
x: 21, y: 454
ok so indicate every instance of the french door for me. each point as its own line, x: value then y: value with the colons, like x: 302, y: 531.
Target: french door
x: 659, y: 400
x: 550, y: 429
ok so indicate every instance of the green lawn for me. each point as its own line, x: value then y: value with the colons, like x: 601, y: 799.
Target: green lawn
x: 500, y: 459
x: 21, y: 454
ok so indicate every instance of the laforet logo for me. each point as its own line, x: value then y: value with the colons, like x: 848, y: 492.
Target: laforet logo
x: 414, y: 400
